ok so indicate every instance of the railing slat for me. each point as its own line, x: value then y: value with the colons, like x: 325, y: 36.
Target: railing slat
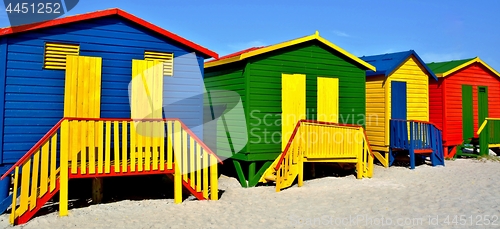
x: 192, y: 171
x: 100, y: 148
x: 198, y: 167
x: 116, y: 135
x: 91, y: 125
x: 156, y: 143
x: 133, y: 146
x: 147, y: 146
x: 34, y: 180
x: 83, y: 147
x: 124, y: 146
x: 107, y: 151
x: 140, y: 156
x: 53, y: 162
x: 75, y: 142
x: 170, y: 134
x: 25, y: 186
x: 184, y: 156
x: 44, y: 171
x: 205, y: 175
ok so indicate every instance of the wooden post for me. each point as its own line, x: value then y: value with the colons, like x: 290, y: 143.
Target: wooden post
x: 63, y: 179
x: 177, y: 163
x: 97, y: 193
x: 214, y: 178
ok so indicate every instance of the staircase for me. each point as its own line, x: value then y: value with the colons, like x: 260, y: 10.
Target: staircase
x: 315, y: 141
x: 417, y: 138
x: 93, y: 147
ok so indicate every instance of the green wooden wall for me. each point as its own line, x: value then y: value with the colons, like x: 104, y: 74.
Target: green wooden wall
x: 261, y: 77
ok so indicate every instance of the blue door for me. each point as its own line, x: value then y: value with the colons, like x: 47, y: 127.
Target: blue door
x: 398, y: 100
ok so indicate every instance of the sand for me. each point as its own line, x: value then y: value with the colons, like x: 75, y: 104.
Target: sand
x: 463, y: 194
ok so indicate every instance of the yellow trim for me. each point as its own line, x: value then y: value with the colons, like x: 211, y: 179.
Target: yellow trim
x: 315, y: 36
x: 467, y: 64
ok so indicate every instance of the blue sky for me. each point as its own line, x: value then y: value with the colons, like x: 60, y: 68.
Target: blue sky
x: 437, y: 30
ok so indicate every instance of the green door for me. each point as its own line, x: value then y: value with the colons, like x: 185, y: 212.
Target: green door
x: 482, y: 114
x: 482, y: 104
x: 467, y: 113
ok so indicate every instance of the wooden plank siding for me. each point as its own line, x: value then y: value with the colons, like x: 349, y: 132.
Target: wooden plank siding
x: 229, y: 78
x: 474, y: 75
x: 436, y: 105
x: 411, y: 72
x: 314, y: 60
x: 375, y: 111
x: 34, y: 96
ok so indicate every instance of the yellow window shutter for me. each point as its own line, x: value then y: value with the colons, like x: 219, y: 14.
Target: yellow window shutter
x: 55, y: 54
x: 165, y: 57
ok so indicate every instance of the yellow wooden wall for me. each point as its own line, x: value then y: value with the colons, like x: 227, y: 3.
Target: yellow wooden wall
x: 375, y: 111
x: 378, y: 100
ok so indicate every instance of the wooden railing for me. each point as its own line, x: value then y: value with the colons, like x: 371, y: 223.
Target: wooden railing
x: 489, y: 135
x: 93, y: 147
x: 315, y: 141
x: 417, y: 137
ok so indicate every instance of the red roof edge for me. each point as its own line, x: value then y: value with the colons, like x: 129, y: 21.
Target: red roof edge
x: 103, y: 13
x: 236, y: 53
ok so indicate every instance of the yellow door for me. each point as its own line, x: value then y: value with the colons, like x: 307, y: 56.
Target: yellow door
x: 82, y: 99
x: 82, y: 92
x: 146, y: 100
x: 328, y: 99
x: 293, y: 104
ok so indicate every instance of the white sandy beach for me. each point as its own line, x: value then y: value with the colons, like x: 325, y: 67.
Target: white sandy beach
x: 422, y: 198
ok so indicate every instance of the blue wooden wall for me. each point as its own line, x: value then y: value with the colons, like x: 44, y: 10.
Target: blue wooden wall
x: 34, y: 96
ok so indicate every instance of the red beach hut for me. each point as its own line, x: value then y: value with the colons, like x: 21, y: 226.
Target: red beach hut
x: 468, y: 91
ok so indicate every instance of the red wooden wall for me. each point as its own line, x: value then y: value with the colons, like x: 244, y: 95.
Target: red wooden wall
x: 446, y: 96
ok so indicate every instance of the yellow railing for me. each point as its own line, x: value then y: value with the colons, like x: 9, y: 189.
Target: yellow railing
x: 37, y: 174
x: 91, y: 147
x: 314, y: 141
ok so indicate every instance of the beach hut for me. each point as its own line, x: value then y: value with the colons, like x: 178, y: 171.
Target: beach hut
x: 305, y: 78
x: 67, y: 88
x: 468, y: 92
x: 397, y: 106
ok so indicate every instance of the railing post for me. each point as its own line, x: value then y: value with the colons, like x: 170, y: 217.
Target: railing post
x: 177, y: 163
x: 63, y: 179
x: 484, y: 141
x: 214, y: 178
x: 300, y: 176
x: 412, y: 146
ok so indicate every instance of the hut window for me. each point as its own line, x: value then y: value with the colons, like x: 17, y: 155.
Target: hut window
x: 482, y: 89
x: 55, y: 54
x: 166, y: 57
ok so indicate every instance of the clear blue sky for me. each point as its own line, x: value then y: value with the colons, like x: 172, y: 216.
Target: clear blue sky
x: 438, y: 30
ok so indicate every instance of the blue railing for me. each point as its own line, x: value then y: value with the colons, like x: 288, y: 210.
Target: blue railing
x: 416, y: 137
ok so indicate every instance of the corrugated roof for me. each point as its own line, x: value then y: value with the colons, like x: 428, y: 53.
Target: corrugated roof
x: 388, y: 63
x: 247, y: 53
x: 105, y: 13
x: 442, y: 67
